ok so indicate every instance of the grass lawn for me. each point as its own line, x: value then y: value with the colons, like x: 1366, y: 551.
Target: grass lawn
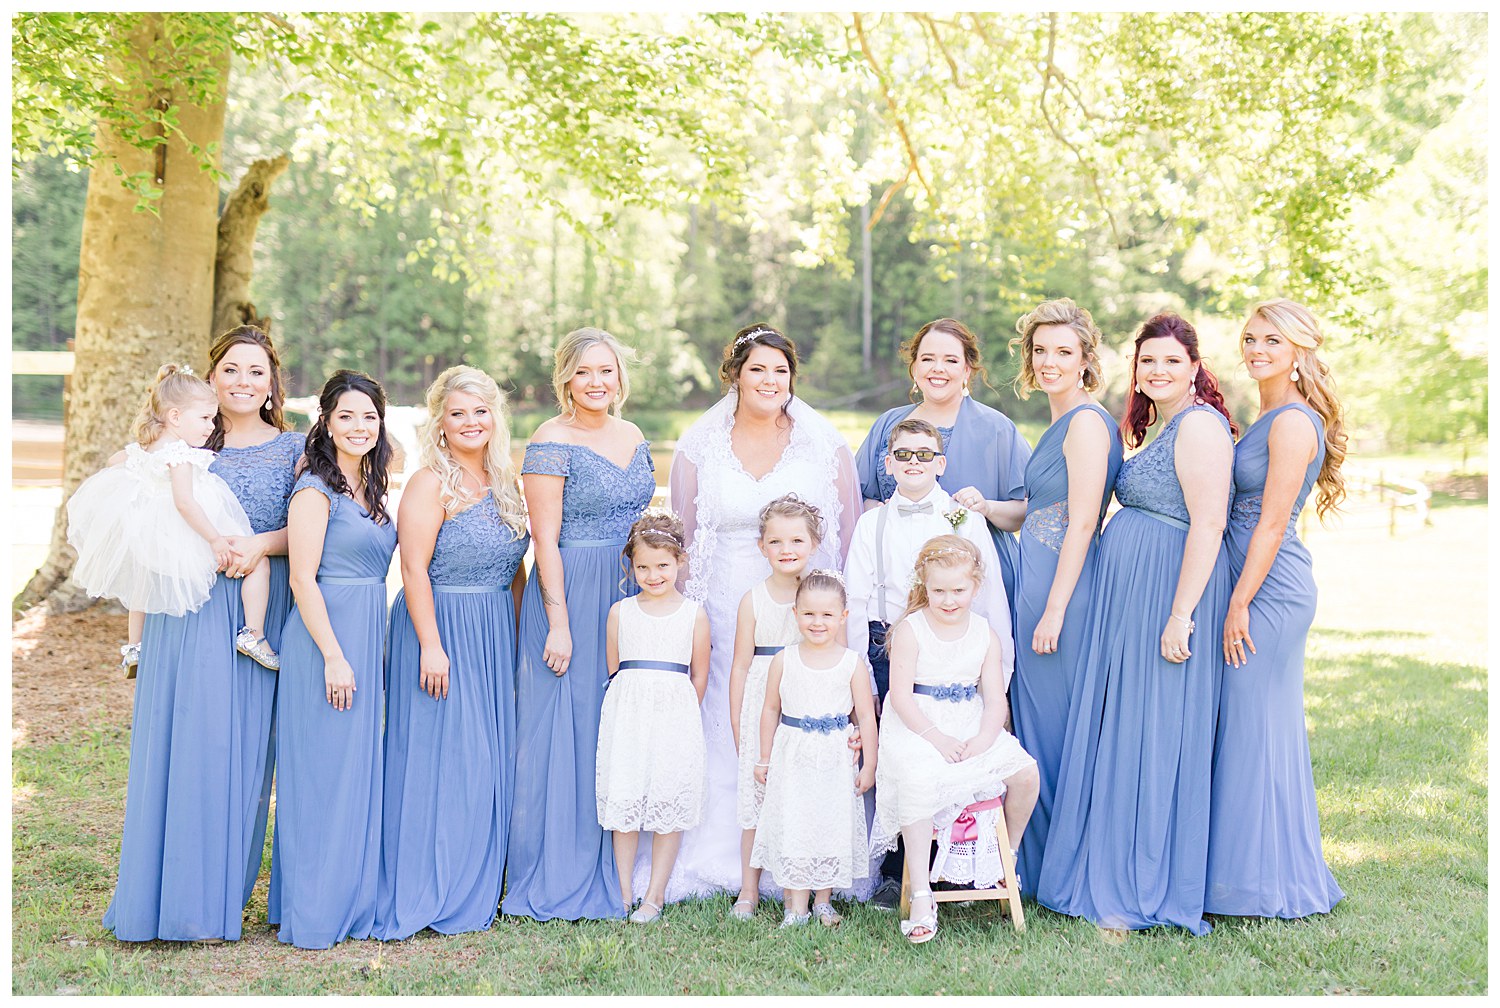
x: 1396, y: 704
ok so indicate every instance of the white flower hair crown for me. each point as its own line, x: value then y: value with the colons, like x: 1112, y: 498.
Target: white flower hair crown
x: 830, y: 573
x: 752, y: 334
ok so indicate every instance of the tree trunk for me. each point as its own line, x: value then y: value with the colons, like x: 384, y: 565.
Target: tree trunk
x: 235, y: 257
x: 145, y: 285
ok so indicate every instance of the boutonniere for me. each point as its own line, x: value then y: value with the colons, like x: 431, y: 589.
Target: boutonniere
x: 956, y: 517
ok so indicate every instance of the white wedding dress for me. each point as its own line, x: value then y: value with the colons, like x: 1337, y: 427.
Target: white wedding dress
x: 720, y: 505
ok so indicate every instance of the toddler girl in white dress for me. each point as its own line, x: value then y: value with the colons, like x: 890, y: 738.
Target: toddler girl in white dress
x: 153, y: 528
x: 812, y: 821
x: 650, y: 771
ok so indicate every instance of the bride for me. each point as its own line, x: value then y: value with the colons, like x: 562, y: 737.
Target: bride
x: 754, y: 445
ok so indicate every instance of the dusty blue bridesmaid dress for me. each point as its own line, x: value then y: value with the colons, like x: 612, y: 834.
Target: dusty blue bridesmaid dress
x: 329, y: 762
x: 560, y: 862
x: 983, y: 450
x: 200, y: 741
x: 1265, y: 850
x: 1043, y: 684
x: 450, y: 763
x: 1128, y: 844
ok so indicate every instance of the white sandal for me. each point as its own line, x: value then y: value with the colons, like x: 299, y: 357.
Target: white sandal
x: 927, y: 921
x: 790, y: 919
x: 748, y: 913
x: 646, y: 913
x: 827, y: 915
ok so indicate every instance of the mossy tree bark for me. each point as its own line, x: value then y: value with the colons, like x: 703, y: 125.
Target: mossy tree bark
x: 145, y: 280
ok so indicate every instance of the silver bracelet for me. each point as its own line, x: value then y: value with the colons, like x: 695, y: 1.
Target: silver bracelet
x: 1186, y: 622
x: 763, y: 764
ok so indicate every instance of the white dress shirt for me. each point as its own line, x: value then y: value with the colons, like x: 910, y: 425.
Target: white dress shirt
x: 905, y: 534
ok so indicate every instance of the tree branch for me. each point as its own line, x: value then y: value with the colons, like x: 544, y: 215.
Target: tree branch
x: 926, y: 22
x: 913, y: 164
x: 1049, y: 72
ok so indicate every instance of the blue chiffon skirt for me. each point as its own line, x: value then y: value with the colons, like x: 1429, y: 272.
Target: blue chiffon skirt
x: 449, y: 768
x: 1128, y: 844
x: 329, y: 777
x: 561, y: 862
x: 200, y: 772
x: 1265, y: 850
x: 1043, y: 684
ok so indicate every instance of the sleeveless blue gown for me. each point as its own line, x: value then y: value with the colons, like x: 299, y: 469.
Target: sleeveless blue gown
x: 984, y: 450
x: 1043, y: 684
x: 328, y: 784
x: 1128, y: 844
x: 1265, y: 849
x: 200, y: 742
x: 561, y: 863
x: 450, y: 763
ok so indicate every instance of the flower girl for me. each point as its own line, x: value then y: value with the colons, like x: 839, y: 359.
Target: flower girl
x: 153, y: 528
x: 812, y: 822
x: 790, y: 531
x: 651, y: 766
x: 943, y: 743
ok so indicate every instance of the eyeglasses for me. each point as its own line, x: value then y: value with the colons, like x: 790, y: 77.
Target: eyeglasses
x: 907, y: 454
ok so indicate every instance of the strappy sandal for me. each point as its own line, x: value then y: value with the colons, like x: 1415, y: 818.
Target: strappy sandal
x: 827, y: 915
x: 790, y: 919
x: 646, y: 913
x: 748, y: 913
x: 927, y: 923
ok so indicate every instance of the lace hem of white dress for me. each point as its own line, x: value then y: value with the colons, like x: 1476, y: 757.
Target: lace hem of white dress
x: 670, y: 816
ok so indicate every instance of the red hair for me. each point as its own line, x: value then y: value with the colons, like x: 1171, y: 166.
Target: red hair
x: 1140, y: 409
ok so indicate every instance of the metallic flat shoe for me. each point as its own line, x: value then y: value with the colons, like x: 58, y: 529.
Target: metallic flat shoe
x: 255, y: 648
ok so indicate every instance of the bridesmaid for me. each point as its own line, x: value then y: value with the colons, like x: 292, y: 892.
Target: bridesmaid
x: 1128, y: 846
x: 986, y: 455
x: 1265, y: 853
x: 330, y: 703
x: 588, y: 476
x: 200, y: 742
x: 450, y: 723
x: 1069, y: 480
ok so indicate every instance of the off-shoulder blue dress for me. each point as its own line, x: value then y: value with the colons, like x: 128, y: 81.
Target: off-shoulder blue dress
x: 1265, y: 848
x: 328, y: 779
x: 984, y: 450
x: 561, y: 863
x: 1128, y: 845
x: 1043, y: 684
x: 450, y: 763
x: 200, y: 741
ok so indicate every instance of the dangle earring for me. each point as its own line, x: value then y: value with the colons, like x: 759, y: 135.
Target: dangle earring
x: 442, y: 439
x: 1296, y: 376
x: 966, y: 388
x: 1080, y: 377
x: 1137, y: 388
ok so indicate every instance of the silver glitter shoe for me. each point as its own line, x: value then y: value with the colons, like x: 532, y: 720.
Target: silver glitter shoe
x: 130, y: 657
x: 256, y: 648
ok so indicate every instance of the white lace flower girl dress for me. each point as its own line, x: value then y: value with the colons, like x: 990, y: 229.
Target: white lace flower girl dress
x: 775, y: 629
x: 812, y: 822
x: 134, y: 545
x: 650, y: 773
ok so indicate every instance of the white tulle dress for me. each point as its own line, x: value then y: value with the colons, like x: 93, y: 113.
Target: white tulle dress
x: 912, y: 779
x: 132, y: 543
x: 649, y: 770
x: 720, y: 503
x: 775, y: 628
x: 812, y: 822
